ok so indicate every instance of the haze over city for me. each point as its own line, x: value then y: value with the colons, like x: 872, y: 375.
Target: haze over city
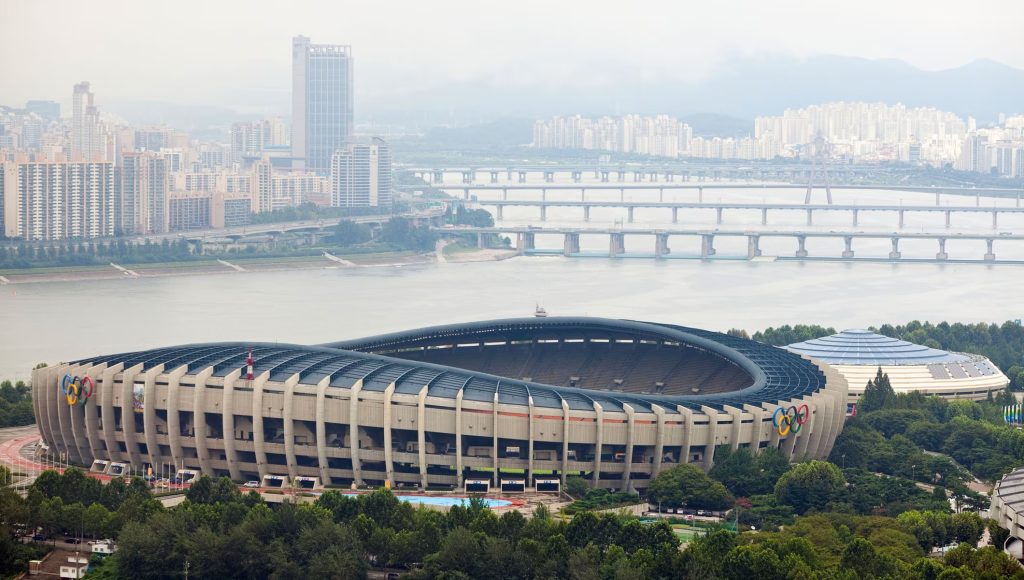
x: 521, y: 290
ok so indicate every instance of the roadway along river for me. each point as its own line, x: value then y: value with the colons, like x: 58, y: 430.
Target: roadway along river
x: 63, y: 320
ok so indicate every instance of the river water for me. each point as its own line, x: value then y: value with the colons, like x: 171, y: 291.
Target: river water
x: 52, y: 322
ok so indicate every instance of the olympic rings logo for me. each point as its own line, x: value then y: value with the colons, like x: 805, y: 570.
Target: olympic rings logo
x: 76, y: 390
x: 790, y: 420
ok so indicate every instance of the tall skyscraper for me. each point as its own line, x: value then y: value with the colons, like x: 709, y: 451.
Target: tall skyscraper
x: 145, y: 185
x: 86, y: 134
x: 321, y: 102
x: 361, y: 175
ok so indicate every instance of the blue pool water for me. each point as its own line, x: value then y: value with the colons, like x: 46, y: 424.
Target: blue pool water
x: 448, y: 501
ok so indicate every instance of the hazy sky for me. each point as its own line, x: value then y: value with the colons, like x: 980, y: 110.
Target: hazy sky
x: 237, y: 53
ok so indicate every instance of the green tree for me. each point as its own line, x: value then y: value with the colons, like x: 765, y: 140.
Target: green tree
x: 810, y: 485
x: 687, y: 485
x: 878, y: 394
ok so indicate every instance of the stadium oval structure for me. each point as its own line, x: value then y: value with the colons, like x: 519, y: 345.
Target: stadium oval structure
x: 517, y: 403
x: 858, y: 354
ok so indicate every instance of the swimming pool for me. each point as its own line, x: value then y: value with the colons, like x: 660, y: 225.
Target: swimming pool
x: 448, y: 501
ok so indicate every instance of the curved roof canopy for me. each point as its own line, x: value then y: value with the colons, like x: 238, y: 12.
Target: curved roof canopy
x: 777, y: 375
x: 863, y: 347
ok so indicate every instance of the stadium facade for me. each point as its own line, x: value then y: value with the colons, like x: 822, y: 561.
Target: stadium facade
x: 858, y: 354
x: 515, y: 403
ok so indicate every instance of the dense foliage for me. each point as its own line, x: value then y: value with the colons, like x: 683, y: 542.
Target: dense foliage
x: 311, y: 211
x: 787, y: 334
x: 16, y: 404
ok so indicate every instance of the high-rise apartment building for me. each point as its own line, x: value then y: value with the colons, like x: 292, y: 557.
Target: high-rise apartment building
x: 361, y: 175
x: 87, y: 141
x: 250, y: 139
x: 321, y: 102
x: 145, y: 185
x: 57, y: 200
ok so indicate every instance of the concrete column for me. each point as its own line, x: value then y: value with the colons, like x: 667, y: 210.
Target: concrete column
x: 659, y: 439
x: 599, y: 411
x: 773, y: 434
x: 995, y: 219
x: 504, y: 194
x: 106, y: 411
x: 258, y: 434
x: 543, y: 213
x: 900, y: 213
x: 622, y: 176
x: 494, y: 177
x: 848, y: 252
x: 149, y: 414
x: 764, y: 216
x: 571, y: 245
x: 421, y: 434
x: 494, y: 441
x: 616, y: 244
x: 321, y: 430
x: 707, y: 245
x: 684, y: 450
x: 91, y: 409
x: 801, y: 251
x: 500, y: 212
x: 465, y: 193
x: 709, y: 446
x: 937, y: 198
x: 718, y: 215
x: 565, y: 440
x: 753, y: 246
x: 63, y: 432
x: 629, y: 214
x: 389, y: 454
x: 586, y: 213
x: 543, y: 194
x: 78, y: 412
x: 530, y: 442
x: 458, y: 437
x: 438, y: 177
x: 480, y: 241
x: 583, y: 194
x: 810, y: 217
x: 661, y: 195
x: 228, y: 423
x: 622, y: 194
x: 522, y: 177
x: 856, y: 215
x: 895, y: 253
x: 199, y: 420
x: 549, y: 176
x: 129, y: 376
x: 661, y: 248
x: 737, y: 425
x: 700, y: 194
x: 942, y: 255
x: 288, y: 418
x: 948, y: 215
x: 756, y: 426
x: 675, y: 215
x: 989, y: 255
x: 977, y: 199
x: 173, y: 413
x: 630, y: 425
x: 353, y: 428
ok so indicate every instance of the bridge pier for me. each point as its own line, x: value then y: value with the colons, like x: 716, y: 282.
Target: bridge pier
x: 661, y: 248
x: 801, y: 251
x: 465, y: 193
x: 661, y: 195
x: 629, y: 215
x: 764, y: 216
x: 571, y: 244
x: 583, y: 194
x: 543, y: 213
x: 675, y: 215
x: 895, y: 253
x: 856, y: 215
x: 522, y: 176
x: 494, y: 177
x: 504, y: 193
x: 616, y: 245
x: 900, y: 212
x: 942, y: 255
x: 670, y: 176
x: 848, y: 252
x: 524, y: 242
x: 718, y: 215
x: 990, y: 256
x: 700, y: 194
x: 549, y: 176
x: 707, y: 245
x: 586, y: 213
x: 622, y: 175
x: 438, y: 177
x: 977, y: 199
x: 638, y: 176
x: 577, y: 176
x: 753, y: 247
x: 652, y: 176
x: 508, y: 177
x: 949, y: 215
x: 810, y: 217
x: 501, y: 212
x: 937, y: 194
x: 995, y: 219
x: 480, y: 241
x: 604, y: 177
x: 543, y: 194
x: 467, y: 177
x: 622, y: 194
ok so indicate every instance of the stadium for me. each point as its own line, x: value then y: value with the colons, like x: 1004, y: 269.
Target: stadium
x: 858, y: 354
x: 517, y: 404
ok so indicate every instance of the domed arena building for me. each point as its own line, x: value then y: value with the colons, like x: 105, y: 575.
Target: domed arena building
x: 515, y: 404
x: 858, y: 354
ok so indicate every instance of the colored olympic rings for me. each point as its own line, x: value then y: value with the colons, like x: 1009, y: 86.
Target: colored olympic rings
x: 790, y: 420
x: 77, y: 390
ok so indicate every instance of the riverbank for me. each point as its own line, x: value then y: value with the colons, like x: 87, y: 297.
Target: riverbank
x: 242, y: 265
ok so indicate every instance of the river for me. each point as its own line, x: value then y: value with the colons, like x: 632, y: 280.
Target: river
x: 59, y: 321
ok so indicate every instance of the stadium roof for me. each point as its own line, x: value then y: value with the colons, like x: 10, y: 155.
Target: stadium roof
x: 863, y: 347
x: 777, y: 375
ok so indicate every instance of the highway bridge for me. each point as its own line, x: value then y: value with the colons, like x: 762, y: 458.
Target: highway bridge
x: 526, y: 236
x: 720, y: 207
